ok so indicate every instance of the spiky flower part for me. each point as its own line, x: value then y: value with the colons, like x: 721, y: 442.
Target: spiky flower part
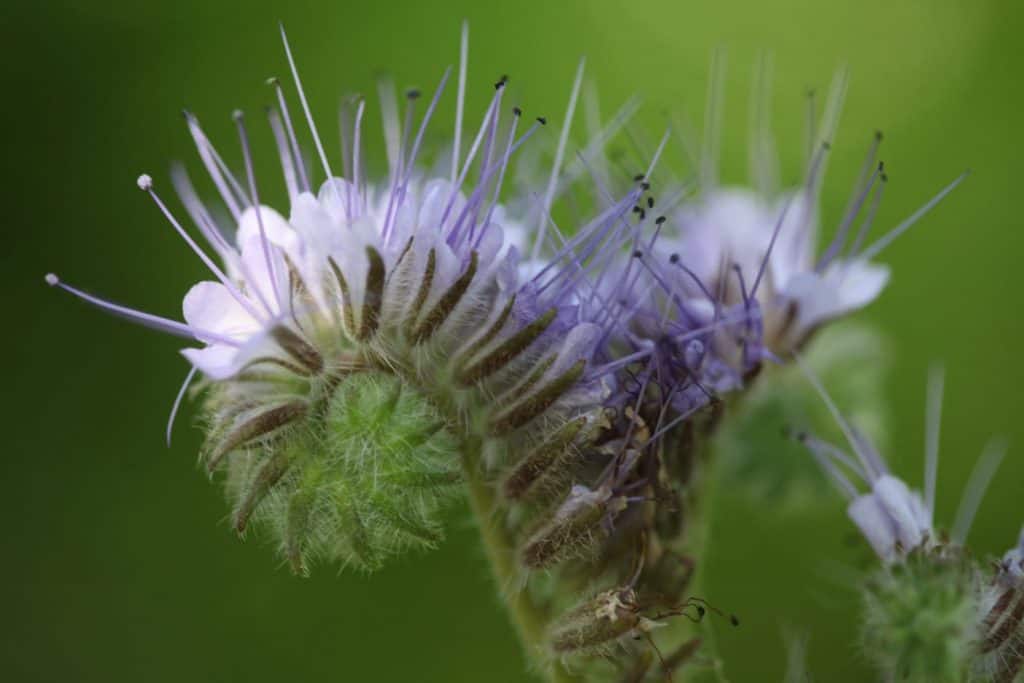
x: 930, y: 612
x: 388, y: 338
x: 919, y: 617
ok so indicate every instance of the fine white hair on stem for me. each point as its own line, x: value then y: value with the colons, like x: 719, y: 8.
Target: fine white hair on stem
x: 556, y: 167
x: 460, y: 101
x: 978, y: 483
x: 933, y: 422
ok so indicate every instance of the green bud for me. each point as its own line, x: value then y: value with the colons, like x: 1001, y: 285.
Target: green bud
x: 357, y: 481
x: 920, y: 617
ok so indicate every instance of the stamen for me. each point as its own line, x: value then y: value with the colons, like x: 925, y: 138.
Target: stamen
x: 283, y: 153
x: 556, y: 167
x: 145, y: 184
x: 300, y: 165
x: 177, y: 402
x: 888, y: 238
x: 251, y: 174
x: 217, y: 169
x: 978, y: 483
x: 305, y: 108
x: 933, y: 422
x: 460, y: 102
x: 870, y: 468
x: 713, y: 122
x: 149, y: 320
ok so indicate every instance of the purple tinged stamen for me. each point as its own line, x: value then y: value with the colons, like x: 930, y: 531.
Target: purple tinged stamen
x: 612, y: 366
x: 977, y: 484
x: 812, y: 175
x: 283, y: 153
x: 251, y: 174
x: 177, y: 402
x: 460, y: 101
x: 145, y: 184
x: 214, y: 166
x: 869, y: 218
x: 933, y: 422
x: 713, y: 121
x: 293, y: 140
x: 357, y: 161
x: 887, y: 239
x: 596, y: 226
x: 556, y: 167
x: 472, y: 155
x: 149, y: 320
x: 501, y: 176
x: 667, y: 427
x: 871, y: 469
x: 844, y: 227
x: 837, y: 455
x: 305, y: 108
x: 427, y: 116
x: 198, y: 213
x: 825, y: 454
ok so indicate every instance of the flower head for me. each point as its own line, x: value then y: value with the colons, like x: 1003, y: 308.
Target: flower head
x: 894, y: 519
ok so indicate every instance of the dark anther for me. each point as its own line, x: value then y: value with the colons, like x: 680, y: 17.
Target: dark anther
x: 643, y: 214
x: 645, y: 186
x: 638, y: 177
x: 826, y: 145
x: 660, y: 219
x: 542, y: 120
x: 638, y: 254
x: 501, y: 82
x: 517, y: 111
x: 701, y: 611
x: 733, y: 620
x: 878, y: 135
x: 673, y: 258
x: 413, y: 94
x: 884, y: 178
x: 650, y: 202
x: 637, y: 209
x: 881, y: 166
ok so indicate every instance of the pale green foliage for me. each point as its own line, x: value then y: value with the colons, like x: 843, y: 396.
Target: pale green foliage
x: 920, y: 618
x: 364, y: 479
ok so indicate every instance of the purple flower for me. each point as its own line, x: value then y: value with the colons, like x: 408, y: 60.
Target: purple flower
x: 894, y: 519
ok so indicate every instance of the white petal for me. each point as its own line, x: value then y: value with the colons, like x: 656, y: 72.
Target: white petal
x: 857, y: 282
x: 876, y: 525
x: 210, y: 306
x: 217, y: 361
x: 275, y: 227
x: 899, y: 503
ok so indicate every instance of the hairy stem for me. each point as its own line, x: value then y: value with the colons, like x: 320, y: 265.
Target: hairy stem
x: 529, y: 621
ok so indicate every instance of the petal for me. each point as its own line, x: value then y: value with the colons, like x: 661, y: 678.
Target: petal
x: 276, y: 228
x: 217, y: 361
x: 210, y: 306
x: 876, y: 525
x: 857, y: 282
x: 898, y: 502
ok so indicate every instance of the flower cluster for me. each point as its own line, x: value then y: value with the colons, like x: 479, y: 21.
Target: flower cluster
x: 931, y: 613
x: 392, y: 342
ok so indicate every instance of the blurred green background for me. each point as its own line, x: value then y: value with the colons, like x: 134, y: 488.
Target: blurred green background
x: 118, y: 562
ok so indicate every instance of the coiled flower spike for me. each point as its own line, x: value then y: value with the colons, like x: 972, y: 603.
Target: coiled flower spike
x: 931, y: 613
x: 355, y: 350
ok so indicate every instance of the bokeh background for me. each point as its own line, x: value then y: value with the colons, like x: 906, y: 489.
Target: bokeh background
x: 118, y: 563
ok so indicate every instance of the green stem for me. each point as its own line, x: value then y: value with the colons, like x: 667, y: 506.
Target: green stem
x: 529, y: 621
